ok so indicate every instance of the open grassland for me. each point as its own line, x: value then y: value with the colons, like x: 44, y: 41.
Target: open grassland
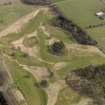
x: 12, y: 12
x: 82, y: 12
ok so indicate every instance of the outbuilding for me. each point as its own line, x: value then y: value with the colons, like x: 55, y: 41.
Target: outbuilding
x: 101, y: 15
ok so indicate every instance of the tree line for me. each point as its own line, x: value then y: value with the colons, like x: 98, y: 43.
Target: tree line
x: 60, y: 20
x: 89, y: 81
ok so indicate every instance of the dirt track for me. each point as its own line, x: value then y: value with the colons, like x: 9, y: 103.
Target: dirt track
x: 15, y: 27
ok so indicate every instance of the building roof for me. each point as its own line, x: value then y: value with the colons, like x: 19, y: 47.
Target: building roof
x: 101, y: 14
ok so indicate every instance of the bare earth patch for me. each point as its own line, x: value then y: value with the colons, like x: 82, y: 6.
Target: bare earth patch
x: 53, y: 91
x: 43, y: 28
x: 39, y: 73
x: 19, y: 96
x: 59, y: 65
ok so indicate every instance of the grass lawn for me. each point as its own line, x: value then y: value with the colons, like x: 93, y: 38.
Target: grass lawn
x: 28, y: 28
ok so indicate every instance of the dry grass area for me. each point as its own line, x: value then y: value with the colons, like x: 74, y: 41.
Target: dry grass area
x: 76, y: 48
x: 19, y: 23
x: 7, y: 1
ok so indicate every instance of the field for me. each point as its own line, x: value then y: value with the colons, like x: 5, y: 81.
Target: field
x: 83, y: 13
x: 11, y: 13
x: 28, y: 59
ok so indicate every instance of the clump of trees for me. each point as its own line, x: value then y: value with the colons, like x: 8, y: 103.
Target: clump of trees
x: 78, y: 33
x: 57, y: 48
x: 89, y: 81
x: 44, y: 83
x: 36, y: 2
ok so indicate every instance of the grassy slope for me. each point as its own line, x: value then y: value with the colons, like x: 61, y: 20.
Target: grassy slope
x: 36, y: 96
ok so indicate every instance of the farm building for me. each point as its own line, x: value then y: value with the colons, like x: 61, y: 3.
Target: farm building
x: 101, y: 15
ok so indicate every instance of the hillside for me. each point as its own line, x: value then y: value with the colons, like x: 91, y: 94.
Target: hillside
x: 42, y: 44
